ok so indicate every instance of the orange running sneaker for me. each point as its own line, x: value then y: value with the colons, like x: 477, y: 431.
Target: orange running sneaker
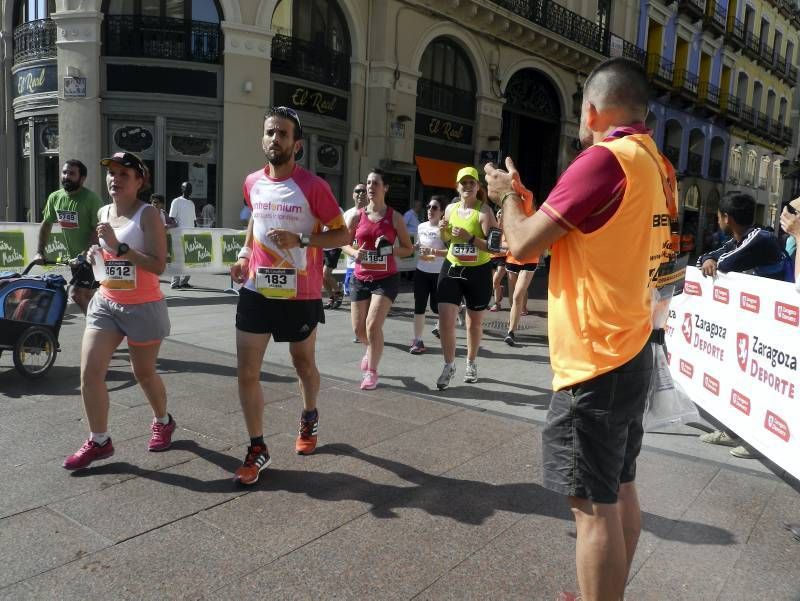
x: 255, y: 462
x: 306, y: 441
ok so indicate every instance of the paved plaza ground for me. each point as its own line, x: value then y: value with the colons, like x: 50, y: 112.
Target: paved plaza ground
x: 413, y: 493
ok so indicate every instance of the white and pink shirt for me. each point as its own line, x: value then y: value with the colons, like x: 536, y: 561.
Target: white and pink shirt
x: 301, y: 203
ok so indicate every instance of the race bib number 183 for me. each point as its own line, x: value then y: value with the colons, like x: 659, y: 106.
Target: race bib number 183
x: 276, y: 283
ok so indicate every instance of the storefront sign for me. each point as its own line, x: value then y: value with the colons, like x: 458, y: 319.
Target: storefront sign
x: 36, y: 80
x: 443, y: 129
x: 307, y: 99
x: 197, y: 249
x: 12, y: 249
x: 74, y: 87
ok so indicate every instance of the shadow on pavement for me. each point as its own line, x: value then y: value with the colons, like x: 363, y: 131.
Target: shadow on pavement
x: 466, y: 501
x: 173, y: 366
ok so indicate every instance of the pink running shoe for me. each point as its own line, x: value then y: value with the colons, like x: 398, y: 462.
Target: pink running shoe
x: 162, y: 435
x: 90, y: 451
x: 370, y: 381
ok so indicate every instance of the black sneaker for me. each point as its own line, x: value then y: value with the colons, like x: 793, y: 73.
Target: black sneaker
x: 435, y: 332
x: 510, y: 340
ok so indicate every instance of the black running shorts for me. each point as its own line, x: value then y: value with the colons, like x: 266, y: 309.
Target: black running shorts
x: 286, y: 320
x: 473, y: 284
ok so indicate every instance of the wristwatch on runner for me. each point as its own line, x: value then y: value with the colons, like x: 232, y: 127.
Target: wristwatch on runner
x: 305, y: 240
x: 122, y: 249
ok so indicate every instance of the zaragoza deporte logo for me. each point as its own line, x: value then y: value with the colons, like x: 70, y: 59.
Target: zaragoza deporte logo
x: 742, y: 349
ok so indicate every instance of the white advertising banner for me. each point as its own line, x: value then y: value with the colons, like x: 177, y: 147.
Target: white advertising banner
x: 733, y: 344
x: 189, y: 250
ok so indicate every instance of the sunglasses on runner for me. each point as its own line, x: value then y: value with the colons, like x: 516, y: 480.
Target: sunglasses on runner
x: 360, y: 191
x: 434, y: 208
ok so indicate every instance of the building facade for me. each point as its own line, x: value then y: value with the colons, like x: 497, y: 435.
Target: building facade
x: 725, y: 74
x: 418, y: 87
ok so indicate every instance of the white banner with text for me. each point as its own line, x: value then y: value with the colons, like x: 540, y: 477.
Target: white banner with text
x: 733, y: 344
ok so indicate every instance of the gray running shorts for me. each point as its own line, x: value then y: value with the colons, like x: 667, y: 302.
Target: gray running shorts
x: 143, y: 324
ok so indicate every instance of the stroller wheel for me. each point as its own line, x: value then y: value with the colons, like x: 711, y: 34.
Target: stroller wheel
x: 35, y: 352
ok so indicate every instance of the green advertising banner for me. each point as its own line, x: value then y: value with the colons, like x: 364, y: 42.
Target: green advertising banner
x: 12, y: 250
x: 198, y: 250
x: 57, y: 249
x: 231, y: 243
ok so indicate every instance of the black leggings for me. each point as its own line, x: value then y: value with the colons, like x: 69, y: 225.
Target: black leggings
x: 425, y: 287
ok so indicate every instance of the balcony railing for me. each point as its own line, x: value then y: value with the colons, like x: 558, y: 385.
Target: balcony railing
x: 673, y: 153
x: 787, y: 134
x: 748, y: 116
x: 715, y: 169
x: 709, y: 93
x: 715, y: 16
x: 34, y: 40
x: 731, y: 105
x: 312, y: 62
x: 791, y: 74
x: 752, y: 46
x: 445, y: 99
x: 767, y: 55
x: 559, y: 20
x: 780, y: 65
x: 686, y: 81
x: 156, y: 37
x: 762, y: 123
x: 660, y: 69
x: 735, y: 36
x: 694, y: 164
x: 633, y: 52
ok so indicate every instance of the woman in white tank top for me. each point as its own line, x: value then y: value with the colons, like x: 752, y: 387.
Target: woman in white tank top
x: 129, y: 304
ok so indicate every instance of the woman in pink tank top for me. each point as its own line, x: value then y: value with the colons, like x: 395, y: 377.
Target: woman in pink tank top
x: 129, y: 305
x: 375, y: 229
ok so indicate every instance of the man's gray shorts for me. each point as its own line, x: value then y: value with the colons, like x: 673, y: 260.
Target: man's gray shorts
x: 143, y: 324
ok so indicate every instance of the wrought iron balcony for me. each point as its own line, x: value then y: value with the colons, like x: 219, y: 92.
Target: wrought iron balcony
x: 673, y: 153
x: 715, y: 169
x: 561, y: 21
x: 780, y: 65
x: 762, y: 123
x: 735, y: 33
x: 767, y: 55
x: 731, y: 106
x: 694, y: 164
x: 709, y: 94
x: 752, y: 46
x: 791, y: 74
x: 686, y: 82
x: 787, y: 134
x: 660, y: 70
x: 445, y: 99
x: 34, y: 40
x: 775, y: 130
x: 633, y: 52
x: 714, y: 19
x: 693, y: 8
x: 748, y: 116
x: 156, y: 37
x: 313, y: 62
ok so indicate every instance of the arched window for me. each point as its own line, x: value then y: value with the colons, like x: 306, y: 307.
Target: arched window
x: 447, y: 83
x: 312, y: 41
x: 750, y: 167
x: 735, y: 164
x: 697, y: 144
x: 33, y: 10
x: 185, y: 30
x: 673, y: 136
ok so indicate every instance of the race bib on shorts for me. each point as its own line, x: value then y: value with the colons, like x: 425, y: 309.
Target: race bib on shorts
x: 275, y: 282
x: 68, y: 219
x: 374, y: 262
x: 120, y: 275
x: 466, y: 253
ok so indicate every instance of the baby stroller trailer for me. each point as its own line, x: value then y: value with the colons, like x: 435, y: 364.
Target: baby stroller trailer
x: 31, y: 310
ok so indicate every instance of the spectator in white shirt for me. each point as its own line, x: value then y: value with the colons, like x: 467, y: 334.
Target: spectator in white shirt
x: 182, y: 210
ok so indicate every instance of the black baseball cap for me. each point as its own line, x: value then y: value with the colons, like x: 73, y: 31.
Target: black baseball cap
x: 126, y: 159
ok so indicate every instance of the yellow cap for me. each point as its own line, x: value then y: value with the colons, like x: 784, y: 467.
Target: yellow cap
x: 467, y: 171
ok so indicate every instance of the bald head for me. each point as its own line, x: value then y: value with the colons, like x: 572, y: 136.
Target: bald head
x: 619, y: 84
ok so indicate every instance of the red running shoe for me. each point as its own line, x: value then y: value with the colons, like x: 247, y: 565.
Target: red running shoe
x: 256, y: 461
x: 306, y: 442
x: 89, y: 452
x: 162, y: 435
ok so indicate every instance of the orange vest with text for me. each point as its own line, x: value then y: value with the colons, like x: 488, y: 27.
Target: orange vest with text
x: 599, y: 284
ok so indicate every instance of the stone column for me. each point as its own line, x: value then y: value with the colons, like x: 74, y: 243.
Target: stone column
x: 488, y: 126
x: 246, y: 97
x: 79, y: 119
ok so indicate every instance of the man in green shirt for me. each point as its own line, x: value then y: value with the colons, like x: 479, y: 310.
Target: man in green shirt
x: 74, y: 208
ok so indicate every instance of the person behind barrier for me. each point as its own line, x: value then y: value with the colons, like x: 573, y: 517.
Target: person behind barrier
x: 466, y: 272
x: 360, y: 201
x: 129, y: 304
x: 183, y: 211
x: 74, y: 207
x: 280, y: 266
x: 750, y: 248
x: 157, y: 200
x: 430, y: 255
x: 599, y: 313
x: 790, y: 222
x: 375, y: 228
